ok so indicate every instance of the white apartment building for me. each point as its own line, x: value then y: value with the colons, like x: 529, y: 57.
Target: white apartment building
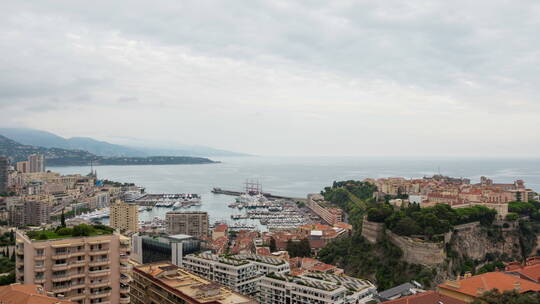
x: 278, y: 288
x: 239, y: 273
x: 240, y: 276
x: 265, y: 264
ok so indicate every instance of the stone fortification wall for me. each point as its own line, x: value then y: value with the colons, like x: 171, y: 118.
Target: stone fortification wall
x: 372, y: 231
x: 418, y: 251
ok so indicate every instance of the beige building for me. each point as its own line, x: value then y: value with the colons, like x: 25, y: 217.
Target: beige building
x: 83, y: 269
x: 166, y: 283
x: 36, y: 163
x: 23, y: 166
x: 190, y: 223
x: 124, y: 216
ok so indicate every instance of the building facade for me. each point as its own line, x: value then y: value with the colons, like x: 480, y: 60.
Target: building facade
x: 4, y: 165
x: 85, y: 270
x: 277, y: 288
x: 150, y: 247
x: 190, y: 223
x: 124, y: 216
x: 166, y: 283
x: 36, y: 163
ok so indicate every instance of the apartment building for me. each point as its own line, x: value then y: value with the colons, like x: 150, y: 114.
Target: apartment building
x: 36, y: 163
x: 124, y: 216
x: 278, y: 288
x: 83, y: 269
x: 166, y: 283
x: 28, y: 213
x: 3, y: 173
x: 265, y: 264
x: 332, y: 216
x: 23, y: 166
x: 239, y: 275
x: 190, y: 223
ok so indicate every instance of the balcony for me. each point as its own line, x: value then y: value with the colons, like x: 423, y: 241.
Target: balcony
x: 77, y: 285
x: 100, y: 262
x: 97, y: 284
x: 124, y: 288
x: 124, y: 268
x: 124, y: 279
x: 39, y: 257
x: 98, y: 273
x: 60, y: 255
x: 57, y: 267
x: 64, y: 288
x: 100, y: 294
x: 76, y: 275
x: 124, y: 258
x: 76, y: 297
x: 99, y: 251
x: 39, y: 280
x: 124, y: 300
x: 61, y: 278
x: 76, y: 263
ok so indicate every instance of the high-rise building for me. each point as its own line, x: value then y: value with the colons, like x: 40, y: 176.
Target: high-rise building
x: 124, y: 216
x: 36, y: 163
x: 3, y: 173
x: 36, y: 213
x: 29, y: 213
x: 151, y: 247
x: 190, y: 223
x: 83, y: 269
x: 23, y: 166
x: 27, y: 294
x: 167, y: 283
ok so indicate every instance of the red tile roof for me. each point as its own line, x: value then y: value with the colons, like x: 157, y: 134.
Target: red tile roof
x: 428, y: 297
x: 221, y: 228
x: 26, y: 294
x: 478, y: 284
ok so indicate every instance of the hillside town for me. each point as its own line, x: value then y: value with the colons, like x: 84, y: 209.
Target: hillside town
x: 61, y: 251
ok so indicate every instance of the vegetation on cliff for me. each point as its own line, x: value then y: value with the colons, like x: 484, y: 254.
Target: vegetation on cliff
x: 430, y: 221
x: 353, y: 197
x: 379, y: 262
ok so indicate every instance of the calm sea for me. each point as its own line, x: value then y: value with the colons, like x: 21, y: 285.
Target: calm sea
x: 298, y: 176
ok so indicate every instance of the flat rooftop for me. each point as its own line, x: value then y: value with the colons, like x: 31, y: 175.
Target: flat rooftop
x: 191, y: 285
x: 260, y: 258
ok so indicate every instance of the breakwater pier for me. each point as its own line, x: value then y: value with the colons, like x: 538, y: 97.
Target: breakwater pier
x: 266, y: 194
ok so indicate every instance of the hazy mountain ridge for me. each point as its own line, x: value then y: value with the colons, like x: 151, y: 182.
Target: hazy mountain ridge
x: 65, y: 157
x: 47, y: 139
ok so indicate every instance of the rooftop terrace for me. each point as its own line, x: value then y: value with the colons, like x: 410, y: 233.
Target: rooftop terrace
x: 186, y: 284
x: 81, y: 230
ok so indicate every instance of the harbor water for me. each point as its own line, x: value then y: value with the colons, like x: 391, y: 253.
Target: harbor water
x: 297, y: 176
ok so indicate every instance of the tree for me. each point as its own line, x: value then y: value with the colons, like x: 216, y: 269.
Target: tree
x: 407, y: 226
x: 82, y: 230
x: 273, y: 247
x: 62, y: 219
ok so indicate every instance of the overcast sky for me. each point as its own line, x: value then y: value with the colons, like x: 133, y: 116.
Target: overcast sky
x: 278, y: 77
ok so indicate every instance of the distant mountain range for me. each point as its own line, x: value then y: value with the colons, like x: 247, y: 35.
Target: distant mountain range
x: 66, y: 157
x: 49, y: 140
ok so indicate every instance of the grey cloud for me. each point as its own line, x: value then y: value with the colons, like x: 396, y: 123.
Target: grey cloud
x: 218, y: 62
